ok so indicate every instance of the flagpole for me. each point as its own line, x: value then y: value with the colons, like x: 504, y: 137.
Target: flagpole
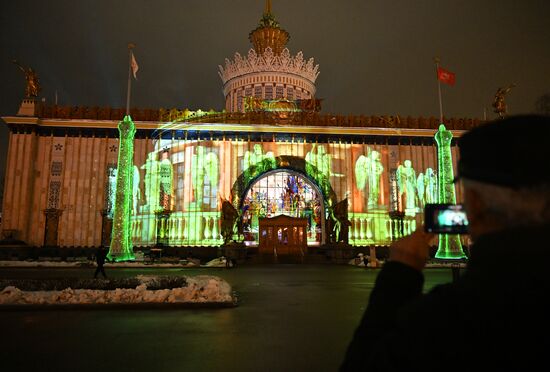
x: 130, y: 47
x: 437, y: 60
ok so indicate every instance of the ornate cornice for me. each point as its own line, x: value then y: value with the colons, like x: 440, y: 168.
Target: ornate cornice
x: 87, y: 127
x: 269, y: 62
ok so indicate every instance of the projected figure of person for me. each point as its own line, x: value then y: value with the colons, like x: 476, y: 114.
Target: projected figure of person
x: 166, y: 181
x: 152, y: 181
x: 375, y: 168
x: 251, y: 158
x: 320, y: 160
x: 197, y: 172
x: 203, y: 164
x: 136, y: 192
x: 421, y: 189
x: 430, y: 184
x: 112, y: 173
x: 368, y: 170
x: 406, y: 178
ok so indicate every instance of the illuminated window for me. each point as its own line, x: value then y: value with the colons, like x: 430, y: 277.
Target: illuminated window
x: 258, y: 91
x: 240, y: 100
x: 285, y: 193
x: 279, y: 92
x: 269, y: 92
x: 290, y: 93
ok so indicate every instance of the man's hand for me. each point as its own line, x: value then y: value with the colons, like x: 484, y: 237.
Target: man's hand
x: 412, y: 250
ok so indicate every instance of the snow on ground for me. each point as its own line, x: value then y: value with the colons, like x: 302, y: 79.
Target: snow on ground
x: 92, y: 264
x: 219, y: 262
x: 40, y: 264
x: 199, y: 289
x: 359, y: 262
x: 152, y: 264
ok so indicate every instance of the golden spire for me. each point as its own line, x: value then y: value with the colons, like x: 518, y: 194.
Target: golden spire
x: 268, y: 34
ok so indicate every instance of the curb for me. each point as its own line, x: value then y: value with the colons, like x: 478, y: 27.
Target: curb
x: 121, y: 306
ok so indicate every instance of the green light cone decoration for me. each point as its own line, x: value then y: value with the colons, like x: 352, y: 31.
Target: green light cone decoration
x: 121, y: 241
x: 450, y: 247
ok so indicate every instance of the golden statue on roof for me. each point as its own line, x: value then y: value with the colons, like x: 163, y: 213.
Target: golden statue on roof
x: 33, y: 85
x: 498, y: 104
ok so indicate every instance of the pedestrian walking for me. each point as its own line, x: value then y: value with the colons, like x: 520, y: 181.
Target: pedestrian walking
x: 100, y: 256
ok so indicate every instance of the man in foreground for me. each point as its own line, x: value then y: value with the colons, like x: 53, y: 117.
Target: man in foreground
x: 496, y: 315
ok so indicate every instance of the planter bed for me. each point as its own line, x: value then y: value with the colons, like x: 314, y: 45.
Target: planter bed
x: 202, y: 290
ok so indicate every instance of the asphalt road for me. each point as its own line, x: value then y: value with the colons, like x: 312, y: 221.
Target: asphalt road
x: 289, y: 318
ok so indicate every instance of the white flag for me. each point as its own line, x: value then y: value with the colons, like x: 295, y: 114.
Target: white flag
x: 135, y: 66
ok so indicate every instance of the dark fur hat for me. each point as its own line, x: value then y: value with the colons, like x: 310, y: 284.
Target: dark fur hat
x: 511, y: 152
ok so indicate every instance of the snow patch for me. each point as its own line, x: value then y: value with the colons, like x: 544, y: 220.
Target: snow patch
x: 199, y: 289
x: 219, y: 262
x: 183, y: 263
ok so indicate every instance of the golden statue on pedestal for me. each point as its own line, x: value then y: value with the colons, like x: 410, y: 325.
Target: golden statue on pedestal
x: 499, y: 104
x: 33, y: 85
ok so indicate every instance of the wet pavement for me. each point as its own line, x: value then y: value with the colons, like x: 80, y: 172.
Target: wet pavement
x: 289, y: 318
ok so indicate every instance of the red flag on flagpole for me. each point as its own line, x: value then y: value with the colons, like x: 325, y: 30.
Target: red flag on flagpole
x: 445, y: 76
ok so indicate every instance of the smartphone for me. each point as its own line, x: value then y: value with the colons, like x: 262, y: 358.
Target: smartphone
x: 445, y: 219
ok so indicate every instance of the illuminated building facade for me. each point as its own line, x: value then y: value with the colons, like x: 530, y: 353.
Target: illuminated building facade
x: 271, y: 154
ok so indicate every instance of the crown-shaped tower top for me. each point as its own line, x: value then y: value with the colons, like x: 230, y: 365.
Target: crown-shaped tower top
x: 268, y: 71
x: 269, y: 33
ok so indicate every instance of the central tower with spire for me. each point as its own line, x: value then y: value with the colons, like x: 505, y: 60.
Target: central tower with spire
x: 268, y: 34
x: 268, y: 71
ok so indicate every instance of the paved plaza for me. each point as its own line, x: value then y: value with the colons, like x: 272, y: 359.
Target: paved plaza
x: 289, y: 318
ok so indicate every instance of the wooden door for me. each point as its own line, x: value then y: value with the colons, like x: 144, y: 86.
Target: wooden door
x: 282, y: 236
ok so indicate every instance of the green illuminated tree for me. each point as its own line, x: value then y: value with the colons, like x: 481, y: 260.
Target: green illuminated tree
x: 121, y: 241
x: 450, y: 246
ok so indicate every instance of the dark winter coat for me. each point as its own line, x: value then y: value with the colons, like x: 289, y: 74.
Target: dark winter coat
x: 495, y: 317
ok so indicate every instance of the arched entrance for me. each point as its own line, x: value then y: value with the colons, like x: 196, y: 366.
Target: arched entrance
x: 288, y: 204
x: 283, y: 168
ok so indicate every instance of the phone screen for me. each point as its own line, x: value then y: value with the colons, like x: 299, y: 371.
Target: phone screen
x: 445, y: 219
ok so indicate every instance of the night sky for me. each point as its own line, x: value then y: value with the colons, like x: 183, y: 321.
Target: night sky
x: 375, y: 57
